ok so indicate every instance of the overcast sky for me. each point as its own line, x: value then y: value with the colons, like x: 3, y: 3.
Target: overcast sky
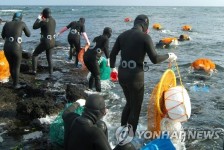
x: 117, y: 2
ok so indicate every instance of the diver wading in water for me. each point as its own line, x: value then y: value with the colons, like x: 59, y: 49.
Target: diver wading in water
x: 134, y: 44
x: 92, y: 56
x: 12, y: 34
x: 47, y: 25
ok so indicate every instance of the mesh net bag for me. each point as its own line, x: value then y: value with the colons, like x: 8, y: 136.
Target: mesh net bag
x: 104, y: 69
x: 156, y: 106
x: 57, y: 126
x: 4, y: 68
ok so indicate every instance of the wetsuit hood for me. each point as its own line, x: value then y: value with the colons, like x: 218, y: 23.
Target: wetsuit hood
x: 94, y: 108
x: 46, y: 12
x: 82, y: 20
x: 107, y: 31
x: 17, y: 16
x: 143, y: 21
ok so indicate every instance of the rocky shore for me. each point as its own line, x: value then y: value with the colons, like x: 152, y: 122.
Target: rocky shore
x: 42, y: 96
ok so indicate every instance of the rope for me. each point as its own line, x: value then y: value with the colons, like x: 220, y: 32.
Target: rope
x: 178, y: 71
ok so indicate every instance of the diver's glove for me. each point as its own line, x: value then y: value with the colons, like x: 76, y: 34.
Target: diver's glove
x: 172, y: 57
x: 81, y: 102
x: 39, y: 17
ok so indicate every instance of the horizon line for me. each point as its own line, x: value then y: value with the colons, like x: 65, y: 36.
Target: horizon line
x: 117, y: 5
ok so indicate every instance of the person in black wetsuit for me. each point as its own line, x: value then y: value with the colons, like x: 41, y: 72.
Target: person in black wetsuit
x: 86, y: 132
x: 92, y: 56
x: 134, y: 44
x: 12, y: 32
x: 47, y: 25
x: 184, y: 37
x: 162, y: 45
x: 76, y: 28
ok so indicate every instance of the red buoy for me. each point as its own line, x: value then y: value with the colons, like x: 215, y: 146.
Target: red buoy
x: 127, y: 19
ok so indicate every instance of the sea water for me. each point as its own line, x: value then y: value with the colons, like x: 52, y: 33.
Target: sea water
x: 207, y: 41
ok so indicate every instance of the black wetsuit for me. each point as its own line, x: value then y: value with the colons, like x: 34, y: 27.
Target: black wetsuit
x: 162, y: 45
x: 91, y: 58
x: 74, y: 38
x: 13, y: 50
x: 47, y: 30
x: 133, y: 44
x: 84, y: 132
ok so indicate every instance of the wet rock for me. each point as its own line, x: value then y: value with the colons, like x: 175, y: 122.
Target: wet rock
x: 24, y: 67
x: 36, y: 107
x: 75, y: 92
x: 37, y: 101
x: 26, y: 55
x: 20, y: 108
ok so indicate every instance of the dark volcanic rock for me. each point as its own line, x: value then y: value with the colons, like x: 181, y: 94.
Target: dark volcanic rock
x: 39, y: 98
x: 24, y: 67
x: 36, y: 108
x: 75, y: 92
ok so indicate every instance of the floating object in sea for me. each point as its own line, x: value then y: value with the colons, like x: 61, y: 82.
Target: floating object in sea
x: 157, y: 26
x: 204, y: 64
x: 128, y: 19
x: 186, y: 28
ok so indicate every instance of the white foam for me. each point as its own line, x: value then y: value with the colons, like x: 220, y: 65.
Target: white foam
x: 89, y: 92
x: 1, y: 139
x: 107, y: 84
x: 10, y: 10
x: 47, y: 119
x: 74, y: 9
x: 33, y: 135
x: 173, y: 126
x: 112, y: 96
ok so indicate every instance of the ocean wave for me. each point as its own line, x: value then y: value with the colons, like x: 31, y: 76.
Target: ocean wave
x: 75, y: 9
x: 10, y: 10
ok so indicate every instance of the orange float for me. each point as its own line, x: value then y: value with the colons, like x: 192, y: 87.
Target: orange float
x: 186, y: 28
x: 168, y: 40
x: 81, y: 54
x: 128, y: 19
x: 157, y: 26
x: 203, y: 64
x: 4, y: 68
